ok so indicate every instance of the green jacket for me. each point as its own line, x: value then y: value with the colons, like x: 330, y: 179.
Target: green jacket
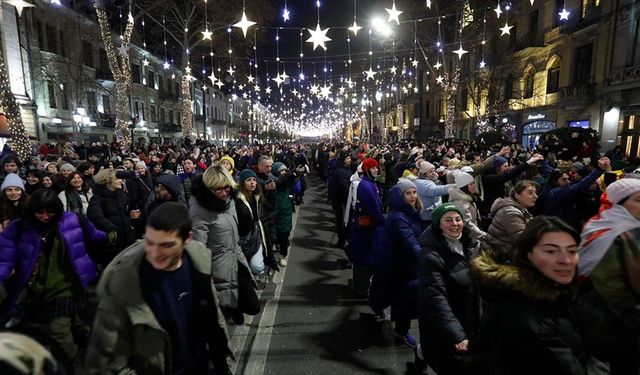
x: 127, y: 338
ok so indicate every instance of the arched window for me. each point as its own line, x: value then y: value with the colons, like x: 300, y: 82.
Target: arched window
x: 529, y: 79
x: 553, y: 75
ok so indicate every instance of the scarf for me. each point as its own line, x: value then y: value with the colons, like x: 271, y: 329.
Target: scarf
x: 600, y: 232
x: 74, y: 203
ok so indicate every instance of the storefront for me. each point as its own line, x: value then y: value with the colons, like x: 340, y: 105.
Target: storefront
x: 534, y: 126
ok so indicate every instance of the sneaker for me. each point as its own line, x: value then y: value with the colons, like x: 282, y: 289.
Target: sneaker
x: 283, y: 262
x: 409, y: 340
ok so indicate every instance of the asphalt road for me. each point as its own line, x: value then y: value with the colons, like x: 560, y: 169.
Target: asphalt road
x: 310, y: 323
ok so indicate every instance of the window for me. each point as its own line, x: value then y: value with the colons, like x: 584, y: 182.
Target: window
x: 528, y: 85
x: 160, y: 84
x: 87, y: 54
x: 152, y: 113
x: 438, y: 108
x: 37, y: 30
x: 151, y: 78
x: 91, y: 102
x: 171, y: 117
x: 582, y: 69
x: 65, y: 99
x: 427, y: 109
x: 52, y: 39
x: 106, y: 104
x: 162, y: 115
x: 137, y: 110
x: 553, y: 80
x: 135, y: 73
x: 508, y: 88
x: 63, y: 47
x: 533, y: 27
x: 142, y: 117
x: 51, y: 88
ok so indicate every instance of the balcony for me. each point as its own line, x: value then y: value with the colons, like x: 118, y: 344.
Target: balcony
x: 623, y: 76
x: 577, y: 97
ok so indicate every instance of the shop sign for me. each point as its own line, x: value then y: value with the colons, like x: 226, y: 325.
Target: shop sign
x: 538, y: 116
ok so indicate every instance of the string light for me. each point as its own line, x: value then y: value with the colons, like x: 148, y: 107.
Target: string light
x: 19, y: 135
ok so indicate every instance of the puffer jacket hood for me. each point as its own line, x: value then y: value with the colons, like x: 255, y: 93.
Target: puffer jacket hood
x: 456, y: 194
x: 493, y: 276
x: 501, y: 203
x: 397, y: 203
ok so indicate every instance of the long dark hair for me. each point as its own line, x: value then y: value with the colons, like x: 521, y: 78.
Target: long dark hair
x: 43, y: 199
x: 68, y: 187
x: 534, y: 230
x: 9, y: 210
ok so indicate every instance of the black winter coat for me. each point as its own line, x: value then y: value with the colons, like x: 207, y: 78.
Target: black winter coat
x: 448, y: 310
x: 108, y: 211
x: 528, y: 326
x: 341, y: 183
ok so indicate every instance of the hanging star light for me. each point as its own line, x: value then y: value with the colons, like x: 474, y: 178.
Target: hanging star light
x: 244, y: 24
x: 250, y: 78
x: 532, y: 1
x: 482, y: 64
x: 318, y: 37
x: 325, y: 91
x: 145, y: 62
x: 440, y: 79
x: 219, y: 84
x: 55, y: 2
x: 394, y: 14
x: 314, y: 89
x: 498, y: 10
x: 564, y: 15
x: 370, y: 73
x: 506, y: 29
x: 231, y: 71
x: 268, y: 90
x: 123, y: 50
x: 414, y: 63
x: 438, y: 65
x: 20, y: 5
x: 460, y: 51
x: 278, y: 80
x: 355, y: 28
x: 212, y: 78
x: 429, y: 4
x: 285, y: 14
x: 284, y: 76
x: 393, y: 70
x: 166, y: 65
x: 206, y: 34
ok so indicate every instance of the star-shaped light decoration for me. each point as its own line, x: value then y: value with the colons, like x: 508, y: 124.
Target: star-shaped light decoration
x: 206, y: 34
x: 341, y: 90
x: 440, y: 79
x: 314, y: 89
x: 325, y: 91
x: 482, y: 64
x: 438, y: 65
x: 240, y: 87
x: 532, y: 1
x: 429, y: 4
x: 250, y: 78
x: 284, y: 76
x: 123, y: 50
x: 460, y: 51
x: 414, y: 63
x: 355, y: 28
x: 498, y: 10
x: 394, y: 14
x: 318, y: 37
x: 278, y: 80
x: 349, y: 83
x: 506, y: 29
x: 166, y: 65
x: 268, y: 90
x: 212, y: 78
x: 55, y: 2
x: 20, y: 5
x: 204, y: 88
x: 145, y: 62
x: 244, y: 24
x: 393, y: 70
x: 564, y: 15
x: 370, y: 73
x: 219, y: 84
x: 245, y: 95
x: 231, y: 71
x: 294, y: 92
x: 256, y: 88
x: 285, y: 14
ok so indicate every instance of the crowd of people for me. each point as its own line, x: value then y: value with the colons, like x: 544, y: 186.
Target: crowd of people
x: 512, y: 261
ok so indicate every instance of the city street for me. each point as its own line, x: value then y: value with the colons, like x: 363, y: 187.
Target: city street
x: 309, y: 324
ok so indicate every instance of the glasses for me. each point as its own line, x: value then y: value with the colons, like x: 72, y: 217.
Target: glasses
x: 220, y: 190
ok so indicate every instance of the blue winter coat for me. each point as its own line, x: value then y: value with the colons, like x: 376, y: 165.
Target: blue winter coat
x: 396, y: 259
x: 20, y: 246
x: 362, y: 238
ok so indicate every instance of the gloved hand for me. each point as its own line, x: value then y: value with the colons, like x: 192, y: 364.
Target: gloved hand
x: 113, y: 237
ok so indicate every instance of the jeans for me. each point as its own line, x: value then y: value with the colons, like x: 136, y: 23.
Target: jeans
x: 256, y: 263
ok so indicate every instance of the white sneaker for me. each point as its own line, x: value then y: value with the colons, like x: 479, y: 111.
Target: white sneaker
x: 283, y: 262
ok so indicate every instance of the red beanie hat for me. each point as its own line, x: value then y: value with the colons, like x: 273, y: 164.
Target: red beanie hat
x: 369, y: 163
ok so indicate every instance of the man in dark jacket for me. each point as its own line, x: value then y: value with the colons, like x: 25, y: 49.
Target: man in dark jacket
x: 341, y: 182
x: 167, y: 189
x: 158, y: 311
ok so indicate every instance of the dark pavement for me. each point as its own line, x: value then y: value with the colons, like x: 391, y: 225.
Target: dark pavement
x: 310, y: 324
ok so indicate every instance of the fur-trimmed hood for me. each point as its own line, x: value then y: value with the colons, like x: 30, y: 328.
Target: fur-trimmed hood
x: 494, y: 277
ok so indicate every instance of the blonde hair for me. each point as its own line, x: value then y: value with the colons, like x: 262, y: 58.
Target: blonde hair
x: 23, y: 353
x: 105, y: 177
x: 217, y: 177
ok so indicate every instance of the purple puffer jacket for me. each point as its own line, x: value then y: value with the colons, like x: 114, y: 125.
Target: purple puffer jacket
x: 20, y: 246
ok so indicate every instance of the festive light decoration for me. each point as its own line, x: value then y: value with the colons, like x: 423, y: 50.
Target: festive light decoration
x: 244, y: 24
x: 498, y: 11
x: 187, y: 115
x: 370, y: 73
x: 460, y: 51
x: 120, y: 68
x: 564, y: 15
x: 355, y: 28
x: 318, y: 37
x: 506, y: 29
x: 12, y: 113
x: 394, y: 13
x: 286, y: 13
x: 20, y: 5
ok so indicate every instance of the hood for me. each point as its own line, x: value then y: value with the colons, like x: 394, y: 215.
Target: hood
x: 104, y: 192
x: 501, y: 203
x: 455, y: 194
x: 355, y: 177
x: 206, y: 199
x: 171, y: 183
x: 397, y: 203
x: 499, y: 277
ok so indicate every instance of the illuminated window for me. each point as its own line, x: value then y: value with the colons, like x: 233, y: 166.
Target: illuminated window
x: 629, y: 142
x: 632, y: 120
x: 52, y: 94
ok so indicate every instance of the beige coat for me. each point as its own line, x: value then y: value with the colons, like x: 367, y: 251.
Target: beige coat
x: 470, y: 213
x: 509, y: 220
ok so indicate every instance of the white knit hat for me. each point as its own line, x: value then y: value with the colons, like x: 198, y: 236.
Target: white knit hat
x: 425, y: 166
x: 12, y: 180
x: 623, y: 188
x: 404, y: 184
x: 466, y: 169
x: 464, y: 179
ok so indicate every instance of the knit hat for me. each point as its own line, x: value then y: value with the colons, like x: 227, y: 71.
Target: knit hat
x: 453, y: 163
x: 498, y: 161
x: 426, y: 167
x: 463, y: 179
x: 141, y: 164
x: 277, y: 167
x: 369, y: 163
x: 68, y: 166
x: 404, y: 184
x: 171, y: 183
x: 229, y: 159
x: 242, y: 177
x: 577, y: 166
x: 467, y: 169
x: 618, y: 190
x: 343, y: 155
x: 12, y: 180
x: 442, y: 209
